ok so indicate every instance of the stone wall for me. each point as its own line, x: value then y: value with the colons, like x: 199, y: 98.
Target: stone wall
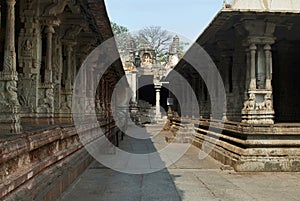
x: 45, y: 162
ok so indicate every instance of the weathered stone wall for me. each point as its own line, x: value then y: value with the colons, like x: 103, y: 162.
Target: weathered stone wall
x: 41, y: 161
x: 41, y: 151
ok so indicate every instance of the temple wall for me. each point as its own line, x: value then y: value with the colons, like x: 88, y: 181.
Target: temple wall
x: 42, y: 48
x: 47, y: 160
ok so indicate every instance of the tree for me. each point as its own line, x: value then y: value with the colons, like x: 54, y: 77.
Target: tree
x: 121, y: 34
x: 118, y: 29
x: 157, y: 38
x: 154, y: 36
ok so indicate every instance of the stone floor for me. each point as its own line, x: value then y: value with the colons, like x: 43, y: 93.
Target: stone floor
x: 188, y: 179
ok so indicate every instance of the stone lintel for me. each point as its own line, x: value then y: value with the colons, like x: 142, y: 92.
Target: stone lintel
x: 259, y: 40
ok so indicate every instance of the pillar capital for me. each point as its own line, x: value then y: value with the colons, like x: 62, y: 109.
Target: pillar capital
x: 252, y: 47
x: 49, y: 29
x: 267, y: 47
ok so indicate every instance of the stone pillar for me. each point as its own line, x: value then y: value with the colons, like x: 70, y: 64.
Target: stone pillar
x: 252, y: 49
x: 134, y: 86
x: 69, y: 67
x: 57, y: 74
x: 46, y: 99
x: 248, y: 72
x: 48, y: 70
x: 66, y: 105
x: 9, y: 51
x: 258, y: 107
x: 157, y: 107
x: 195, y: 91
x: 268, y: 56
x: 9, y: 104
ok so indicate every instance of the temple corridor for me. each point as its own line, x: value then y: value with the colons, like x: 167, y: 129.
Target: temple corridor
x: 221, y: 123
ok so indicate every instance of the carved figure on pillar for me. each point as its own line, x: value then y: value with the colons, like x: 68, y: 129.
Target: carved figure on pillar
x: 12, y: 92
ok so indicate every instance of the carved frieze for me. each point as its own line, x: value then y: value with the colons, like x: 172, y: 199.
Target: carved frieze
x: 46, y: 101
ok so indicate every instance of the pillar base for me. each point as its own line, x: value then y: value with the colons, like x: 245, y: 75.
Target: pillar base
x: 258, y: 109
x: 258, y: 117
x: 9, y: 103
x: 10, y: 119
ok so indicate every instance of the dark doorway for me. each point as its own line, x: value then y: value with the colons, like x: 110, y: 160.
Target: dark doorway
x: 148, y: 94
x: 286, y: 82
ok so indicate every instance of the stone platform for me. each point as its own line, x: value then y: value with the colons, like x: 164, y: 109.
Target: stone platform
x: 245, y: 147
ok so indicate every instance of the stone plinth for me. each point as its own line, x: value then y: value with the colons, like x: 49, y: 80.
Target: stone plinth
x: 247, y: 147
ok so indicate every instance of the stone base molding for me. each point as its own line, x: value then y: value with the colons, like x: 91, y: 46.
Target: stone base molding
x: 247, y: 148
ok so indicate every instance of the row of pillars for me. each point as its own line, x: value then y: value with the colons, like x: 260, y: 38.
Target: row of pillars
x: 252, y: 55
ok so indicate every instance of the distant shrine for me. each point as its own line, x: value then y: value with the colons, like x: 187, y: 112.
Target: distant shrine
x: 144, y: 74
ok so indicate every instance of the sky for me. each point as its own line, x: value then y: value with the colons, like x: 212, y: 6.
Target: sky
x: 186, y: 18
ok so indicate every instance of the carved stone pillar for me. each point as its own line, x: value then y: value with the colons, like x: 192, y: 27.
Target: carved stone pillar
x: 258, y: 107
x: 268, y: 57
x: 29, y: 60
x: 69, y: 67
x: 157, y: 106
x: 66, y: 105
x: 46, y: 89
x: 9, y: 103
x: 248, y: 72
x: 57, y: 73
x: 48, y: 71
x: 252, y: 49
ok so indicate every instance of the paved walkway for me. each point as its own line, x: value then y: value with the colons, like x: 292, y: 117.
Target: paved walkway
x: 189, y: 179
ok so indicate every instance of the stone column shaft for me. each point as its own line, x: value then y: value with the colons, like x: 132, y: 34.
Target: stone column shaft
x: 252, y: 67
x: 9, y: 49
x: 48, y: 71
x: 134, y: 87
x: 69, y: 68
x: 157, y: 90
x: 248, y: 72
x: 268, y: 54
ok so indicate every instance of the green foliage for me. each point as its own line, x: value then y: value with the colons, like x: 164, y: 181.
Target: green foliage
x: 121, y: 34
x: 118, y: 29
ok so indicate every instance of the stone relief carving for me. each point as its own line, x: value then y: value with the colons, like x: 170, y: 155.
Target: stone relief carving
x: 56, y: 8
x: 66, y: 105
x: 46, y: 102
x: 27, y: 93
x: 8, y: 62
x: 268, y: 102
x: 65, y: 108
x: 251, y: 103
x: 12, y: 92
x: 27, y: 48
